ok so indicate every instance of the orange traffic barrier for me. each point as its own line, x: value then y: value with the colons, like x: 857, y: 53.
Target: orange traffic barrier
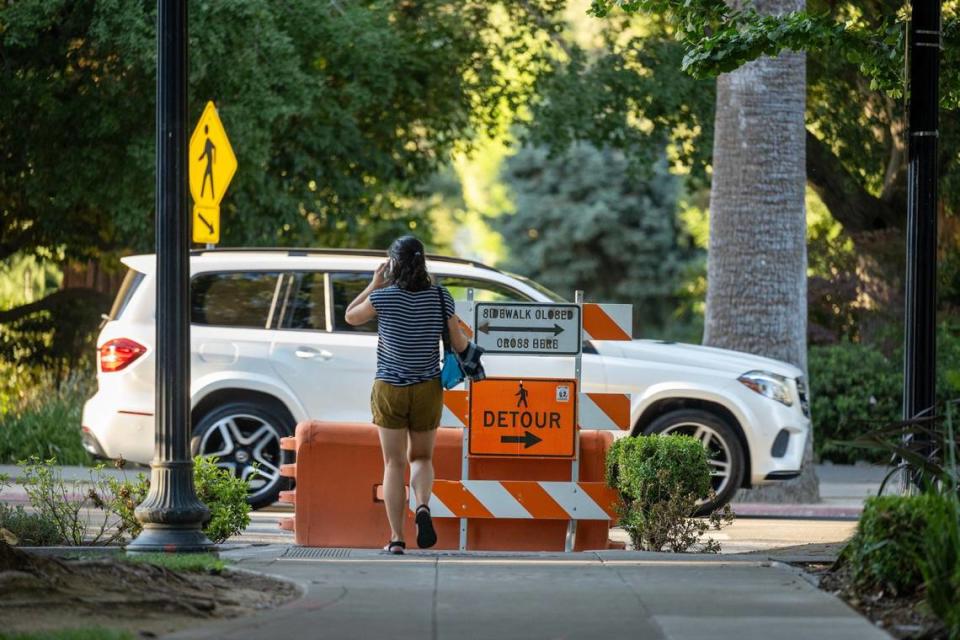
x: 339, y: 471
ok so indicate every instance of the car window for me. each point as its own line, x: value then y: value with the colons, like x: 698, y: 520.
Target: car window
x: 483, y: 290
x: 131, y: 281
x: 346, y: 287
x: 235, y: 299
x: 306, y: 306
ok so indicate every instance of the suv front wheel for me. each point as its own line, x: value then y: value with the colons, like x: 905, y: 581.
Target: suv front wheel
x: 245, y: 438
x: 724, y: 452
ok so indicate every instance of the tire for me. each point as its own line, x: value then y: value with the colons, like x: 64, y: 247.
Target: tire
x: 722, y: 444
x: 241, y: 433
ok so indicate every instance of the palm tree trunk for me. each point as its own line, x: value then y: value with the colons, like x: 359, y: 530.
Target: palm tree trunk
x: 757, y: 259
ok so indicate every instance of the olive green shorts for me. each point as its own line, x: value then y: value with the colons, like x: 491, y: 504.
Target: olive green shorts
x: 416, y: 407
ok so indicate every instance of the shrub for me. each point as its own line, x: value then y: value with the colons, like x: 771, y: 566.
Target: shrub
x: 65, y: 508
x: 884, y: 551
x: 24, y: 527
x: 850, y: 383
x: 855, y: 388
x: 223, y: 493
x: 46, y: 423
x: 660, y: 480
x: 940, y: 563
x: 226, y: 497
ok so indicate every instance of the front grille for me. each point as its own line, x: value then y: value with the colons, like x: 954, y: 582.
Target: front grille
x: 802, y: 392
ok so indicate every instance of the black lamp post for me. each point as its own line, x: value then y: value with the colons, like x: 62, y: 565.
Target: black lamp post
x: 171, y: 514
x: 920, y: 343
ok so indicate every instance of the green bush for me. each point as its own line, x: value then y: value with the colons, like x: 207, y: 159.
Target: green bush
x: 884, y: 551
x: 46, y: 423
x: 856, y: 388
x: 66, y: 505
x: 226, y: 497
x: 660, y: 480
x: 26, y: 528
x: 223, y: 493
x: 850, y: 383
x: 940, y: 563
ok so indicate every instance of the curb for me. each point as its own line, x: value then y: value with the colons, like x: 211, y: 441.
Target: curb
x: 808, y: 511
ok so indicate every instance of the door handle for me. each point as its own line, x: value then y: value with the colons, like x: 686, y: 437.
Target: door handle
x: 309, y: 353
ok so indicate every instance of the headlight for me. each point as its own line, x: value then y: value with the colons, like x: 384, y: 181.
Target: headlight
x: 768, y: 384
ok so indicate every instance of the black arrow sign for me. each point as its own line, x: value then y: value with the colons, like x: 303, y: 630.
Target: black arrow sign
x: 529, y: 438
x: 204, y: 221
x: 555, y: 329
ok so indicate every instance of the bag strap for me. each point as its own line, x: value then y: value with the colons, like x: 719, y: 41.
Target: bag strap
x: 444, y: 328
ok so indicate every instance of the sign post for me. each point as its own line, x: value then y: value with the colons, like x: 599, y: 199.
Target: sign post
x: 212, y: 165
x: 171, y: 513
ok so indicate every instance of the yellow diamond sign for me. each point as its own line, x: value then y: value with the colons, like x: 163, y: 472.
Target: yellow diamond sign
x: 212, y: 163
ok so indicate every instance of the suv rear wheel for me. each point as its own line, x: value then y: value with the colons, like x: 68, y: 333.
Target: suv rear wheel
x: 724, y: 451
x: 245, y: 438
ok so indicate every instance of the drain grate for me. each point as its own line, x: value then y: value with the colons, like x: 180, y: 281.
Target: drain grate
x: 309, y: 553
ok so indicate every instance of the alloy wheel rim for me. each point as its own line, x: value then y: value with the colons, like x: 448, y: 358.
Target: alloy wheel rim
x: 718, y: 452
x: 249, y: 447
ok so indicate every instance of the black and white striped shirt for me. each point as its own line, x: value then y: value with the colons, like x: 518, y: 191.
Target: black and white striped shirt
x: 409, y: 329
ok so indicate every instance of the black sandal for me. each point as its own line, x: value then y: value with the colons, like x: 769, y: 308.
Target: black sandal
x: 426, y: 535
x: 395, y: 547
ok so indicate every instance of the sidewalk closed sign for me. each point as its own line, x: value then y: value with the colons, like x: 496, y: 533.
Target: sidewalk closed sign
x: 523, y: 417
x: 541, y: 329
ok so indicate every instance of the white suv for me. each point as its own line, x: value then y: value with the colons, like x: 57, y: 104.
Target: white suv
x: 270, y: 347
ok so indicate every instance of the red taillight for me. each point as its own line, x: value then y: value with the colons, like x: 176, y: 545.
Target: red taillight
x: 118, y: 353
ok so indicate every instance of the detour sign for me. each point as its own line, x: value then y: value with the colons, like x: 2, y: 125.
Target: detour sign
x: 523, y: 417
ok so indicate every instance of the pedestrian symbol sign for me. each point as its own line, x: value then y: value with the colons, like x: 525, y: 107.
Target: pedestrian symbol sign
x: 211, y: 167
x: 523, y: 417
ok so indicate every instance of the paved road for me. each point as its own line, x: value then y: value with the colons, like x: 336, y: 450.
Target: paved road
x: 441, y: 595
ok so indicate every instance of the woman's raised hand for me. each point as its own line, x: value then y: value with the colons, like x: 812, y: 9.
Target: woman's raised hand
x: 380, y: 276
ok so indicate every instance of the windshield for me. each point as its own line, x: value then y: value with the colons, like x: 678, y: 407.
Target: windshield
x: 553, y: 295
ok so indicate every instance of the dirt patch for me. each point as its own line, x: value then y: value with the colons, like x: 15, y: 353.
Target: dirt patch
x: 902, y: 617
x: 43, y: 593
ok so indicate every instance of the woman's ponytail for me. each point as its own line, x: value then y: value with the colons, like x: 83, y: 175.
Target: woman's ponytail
x: 408, y: 264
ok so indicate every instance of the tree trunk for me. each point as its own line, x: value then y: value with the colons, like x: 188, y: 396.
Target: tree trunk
x: 757, y: 258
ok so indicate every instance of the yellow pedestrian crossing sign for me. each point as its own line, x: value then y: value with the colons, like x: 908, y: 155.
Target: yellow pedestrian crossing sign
x: 212, y: 165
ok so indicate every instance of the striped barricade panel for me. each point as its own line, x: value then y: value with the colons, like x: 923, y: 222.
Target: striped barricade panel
x: 455, y: 408
x: 522, y: 499
x: 607, y: 321
x: 465, y: 313
x: 606, y: 411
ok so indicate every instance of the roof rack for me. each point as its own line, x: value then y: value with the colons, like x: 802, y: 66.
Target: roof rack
x: 365, y: 253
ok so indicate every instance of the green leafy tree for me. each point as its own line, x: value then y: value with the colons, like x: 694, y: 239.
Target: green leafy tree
x: 583, y: 220
x: 636, y: 88
x: 336, y: 111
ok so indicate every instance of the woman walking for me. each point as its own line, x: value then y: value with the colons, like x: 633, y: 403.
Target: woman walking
x: 407, y: 397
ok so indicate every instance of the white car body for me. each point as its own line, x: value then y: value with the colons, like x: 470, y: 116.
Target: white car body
x: 327, y: 374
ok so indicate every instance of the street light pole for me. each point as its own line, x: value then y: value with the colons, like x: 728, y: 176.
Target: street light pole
x: 920, y: 343
x: 171, y: 514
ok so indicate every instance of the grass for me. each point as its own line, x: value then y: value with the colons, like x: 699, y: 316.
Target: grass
x: 46, y: 424
x: 91, y: 633
x: 189, y: 562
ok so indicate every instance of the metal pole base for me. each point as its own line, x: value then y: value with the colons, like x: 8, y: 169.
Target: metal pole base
x: 158, y: 538
x: 171, y: 514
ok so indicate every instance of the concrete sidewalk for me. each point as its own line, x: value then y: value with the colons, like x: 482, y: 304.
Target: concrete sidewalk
x: 610, y: 594
x: 843, y: 488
